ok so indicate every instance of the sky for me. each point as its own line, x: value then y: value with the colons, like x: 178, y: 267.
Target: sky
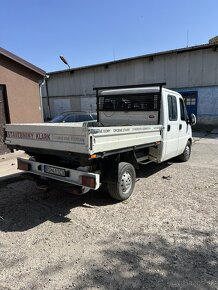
x: 89, y: 32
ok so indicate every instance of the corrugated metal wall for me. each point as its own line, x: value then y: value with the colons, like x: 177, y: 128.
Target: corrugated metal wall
x: 178, y: 69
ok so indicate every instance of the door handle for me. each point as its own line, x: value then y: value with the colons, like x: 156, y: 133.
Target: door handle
x: 180, y: 126
x: 168, y: 128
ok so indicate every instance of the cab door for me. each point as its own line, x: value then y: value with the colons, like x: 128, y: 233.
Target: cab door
x: 172, y: 128
x: 183, y: 126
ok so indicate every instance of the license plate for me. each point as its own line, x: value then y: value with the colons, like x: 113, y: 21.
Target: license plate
x: 55, y: 170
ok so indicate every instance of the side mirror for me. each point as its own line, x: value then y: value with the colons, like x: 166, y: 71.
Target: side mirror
x: 192, y: 119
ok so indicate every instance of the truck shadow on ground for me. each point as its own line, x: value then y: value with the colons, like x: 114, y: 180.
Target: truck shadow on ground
x: 23, y: 206
x: 149, y: 169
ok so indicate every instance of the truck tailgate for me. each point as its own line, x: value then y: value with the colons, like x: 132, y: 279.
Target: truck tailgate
x: 62, y: 137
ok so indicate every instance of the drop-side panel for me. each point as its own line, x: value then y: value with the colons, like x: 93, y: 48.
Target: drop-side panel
x: 113, y: 138
x: 78, y: 139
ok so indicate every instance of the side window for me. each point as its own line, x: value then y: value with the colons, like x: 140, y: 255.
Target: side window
x: 182, y: 110
x: 172, y: 108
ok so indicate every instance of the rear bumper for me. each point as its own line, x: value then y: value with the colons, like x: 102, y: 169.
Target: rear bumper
x: 72, y: 176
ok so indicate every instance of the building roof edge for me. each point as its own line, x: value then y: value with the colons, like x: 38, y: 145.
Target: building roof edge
x: 21, y: 61
x: 178, y: 50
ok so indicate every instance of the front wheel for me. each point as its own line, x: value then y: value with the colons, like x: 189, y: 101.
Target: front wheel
x: 186, y: 153
x: 123, y: 188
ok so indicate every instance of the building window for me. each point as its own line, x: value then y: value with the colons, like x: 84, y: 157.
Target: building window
x: 190, y: 101
x: 172, y: 108
x: 190, y: 98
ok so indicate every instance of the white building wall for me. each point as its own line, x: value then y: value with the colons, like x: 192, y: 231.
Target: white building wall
x: 207, y: 104
x: 190, y: 69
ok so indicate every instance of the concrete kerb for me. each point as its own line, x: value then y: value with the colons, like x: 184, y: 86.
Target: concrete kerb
x: 8, y: 170
x: 12, y: 155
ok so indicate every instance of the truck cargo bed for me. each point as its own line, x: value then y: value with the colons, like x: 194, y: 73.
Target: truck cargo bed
x: 74, y: 137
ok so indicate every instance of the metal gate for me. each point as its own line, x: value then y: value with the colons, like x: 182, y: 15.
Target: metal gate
x: 3, y: 119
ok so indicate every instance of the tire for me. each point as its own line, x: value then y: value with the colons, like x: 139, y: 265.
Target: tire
x: 123, y: 188
x: 186, y: 153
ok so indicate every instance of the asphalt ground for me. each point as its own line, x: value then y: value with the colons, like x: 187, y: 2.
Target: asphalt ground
x: 163, y: 237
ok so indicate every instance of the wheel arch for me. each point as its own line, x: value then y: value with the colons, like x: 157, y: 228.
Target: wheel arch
x: 129, y: 157
x: 190, y: 140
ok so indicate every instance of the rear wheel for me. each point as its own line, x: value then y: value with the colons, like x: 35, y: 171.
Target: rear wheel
x: 186, y: 153
x: 123, y: 188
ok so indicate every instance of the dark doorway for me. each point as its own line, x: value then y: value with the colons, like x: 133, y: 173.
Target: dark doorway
x: 4, y: 118
x: 191, y: 99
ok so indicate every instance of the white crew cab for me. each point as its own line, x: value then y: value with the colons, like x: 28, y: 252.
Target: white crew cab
x: 135, y: 125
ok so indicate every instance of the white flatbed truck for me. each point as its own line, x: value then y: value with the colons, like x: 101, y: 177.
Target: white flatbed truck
x: 135, y: 125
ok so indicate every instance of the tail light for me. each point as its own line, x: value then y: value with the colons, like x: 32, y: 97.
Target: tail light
x: 88, y: 181
x: 22, y: 165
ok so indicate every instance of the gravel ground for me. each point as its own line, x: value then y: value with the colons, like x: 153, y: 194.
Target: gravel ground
x: 163, y: 237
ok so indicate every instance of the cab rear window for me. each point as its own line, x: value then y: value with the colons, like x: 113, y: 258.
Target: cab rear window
x: 172, y: 108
